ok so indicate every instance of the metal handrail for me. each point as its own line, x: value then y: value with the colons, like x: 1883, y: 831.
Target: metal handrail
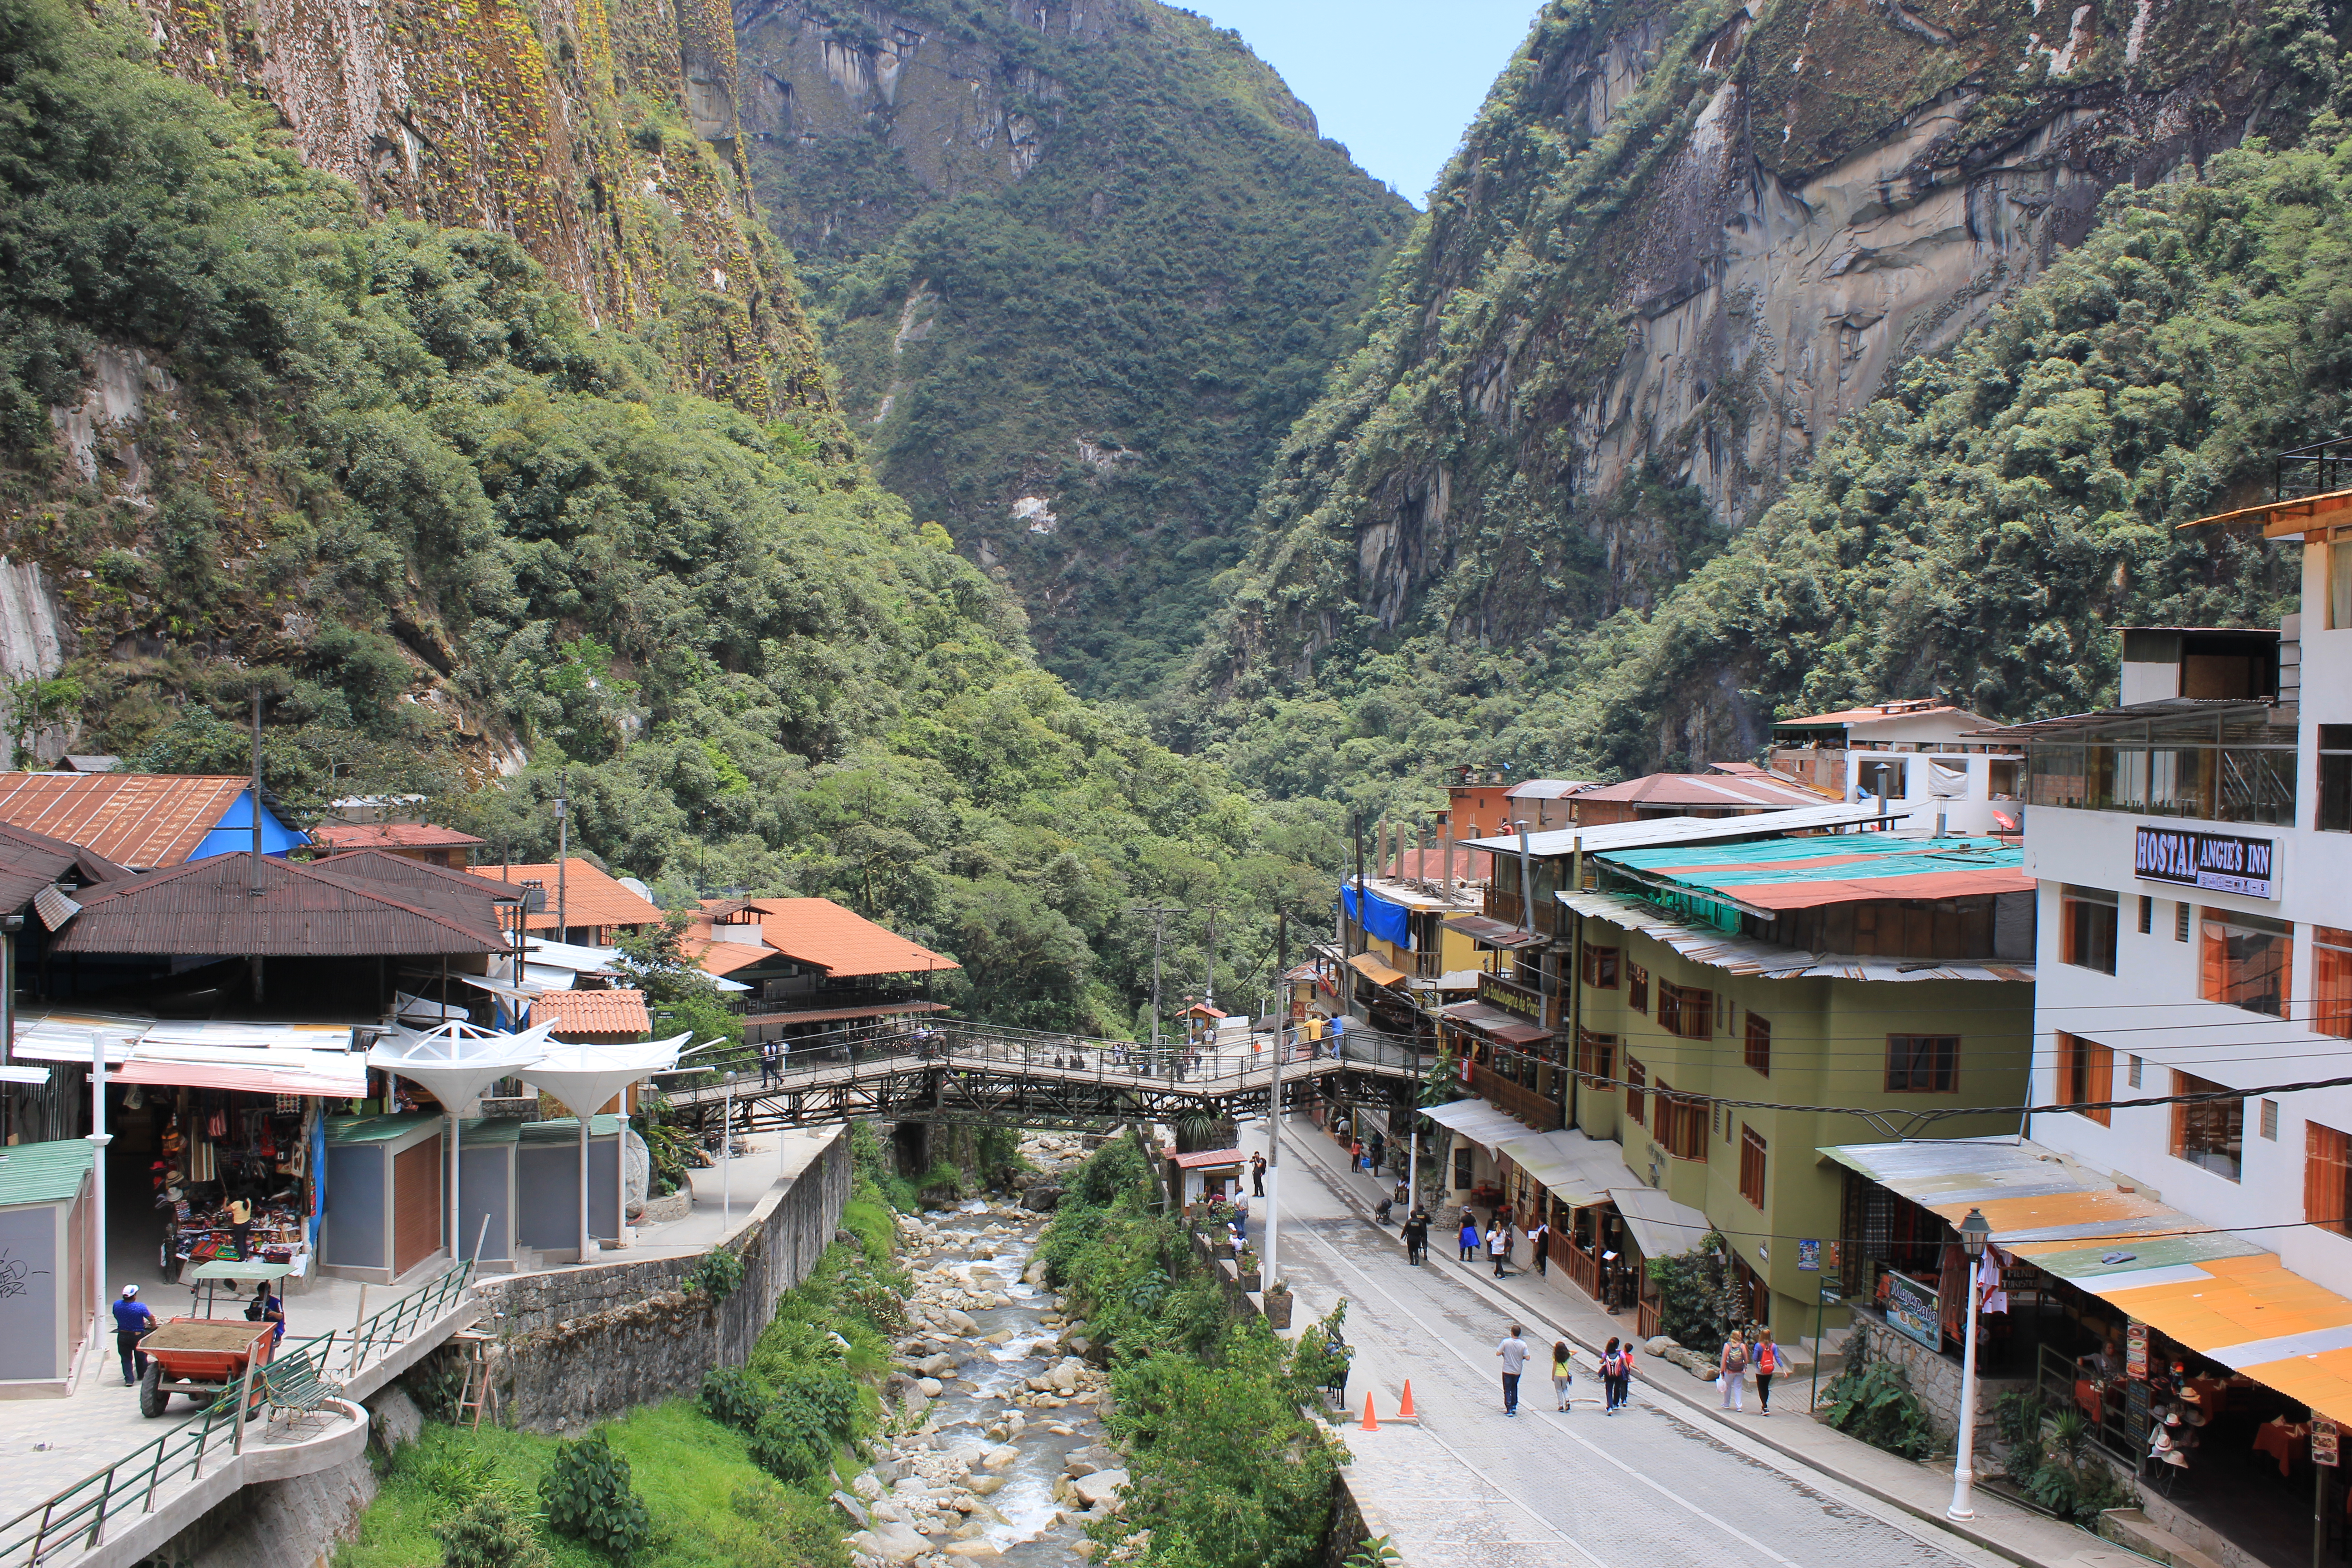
x: 74, y: 1518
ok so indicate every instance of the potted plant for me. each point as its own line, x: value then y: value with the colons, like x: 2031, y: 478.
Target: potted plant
x: 1245, y: 1264
x: 1277, y: 1305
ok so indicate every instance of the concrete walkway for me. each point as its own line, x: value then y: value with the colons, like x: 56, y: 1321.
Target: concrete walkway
x: 1465, y: 1485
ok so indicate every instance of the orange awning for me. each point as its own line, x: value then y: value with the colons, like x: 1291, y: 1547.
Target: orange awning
x: 1375, y: 971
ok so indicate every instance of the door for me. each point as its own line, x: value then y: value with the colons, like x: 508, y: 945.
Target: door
x: 416, y: 1205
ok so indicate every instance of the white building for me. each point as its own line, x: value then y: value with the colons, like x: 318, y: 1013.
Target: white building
x: 1927, y: 755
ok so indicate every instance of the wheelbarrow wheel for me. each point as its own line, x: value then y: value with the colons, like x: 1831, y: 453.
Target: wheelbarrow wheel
x: 153, y: 1396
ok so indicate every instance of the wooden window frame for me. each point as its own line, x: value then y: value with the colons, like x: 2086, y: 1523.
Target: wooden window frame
x: 1752, y: 1151
x: 1681, y: 1126
x: 2086, y: 1074
x: 1602, y: 966
x: 1757, y: 1047
x: 1637, y: 1078
x: 2079, y: 934
x: 2331, y: 982
x: 2220, y: 980
x: 1637, y: 987
x: 1907, y: 1059
x: 1596, y: 1055
x: 1686, y: 1011
x: 2201, y: 1120
x: 2328, y: 1178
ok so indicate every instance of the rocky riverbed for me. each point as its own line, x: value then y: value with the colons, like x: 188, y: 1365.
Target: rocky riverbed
x: 993, y: 1449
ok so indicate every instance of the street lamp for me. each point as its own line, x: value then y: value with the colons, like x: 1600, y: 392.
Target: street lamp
x: 726, y: 1171
x: 1974, y: 1232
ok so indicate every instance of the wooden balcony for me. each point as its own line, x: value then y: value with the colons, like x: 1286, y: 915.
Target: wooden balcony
x: 1504, y: 904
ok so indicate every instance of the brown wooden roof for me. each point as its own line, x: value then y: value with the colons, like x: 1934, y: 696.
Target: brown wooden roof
x: 209, y: 907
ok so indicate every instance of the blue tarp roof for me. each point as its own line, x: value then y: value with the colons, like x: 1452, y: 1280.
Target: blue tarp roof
x: 1384, y: 919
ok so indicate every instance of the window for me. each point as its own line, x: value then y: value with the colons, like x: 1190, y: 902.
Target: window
x: 2086, y: 927
x: 1465, y: 1173
x: 2336, y: 773
x: 1922, y: 1064
x: 1751, y: 1166
x: 2328, y: 1178
x: 1635, y: 1077
x: 1686, y: 1011
x: 2232, y: 767
x: 2180, y: 922
x: 2146, y: 914
x: 2270, y: 1120
x: 1681, y: 1124
x: 2131, y: 1071
x: 1637, y: 988
x: 2246, y: 962
x: 1594, y: 1054
x: 2339, y: 580
x: 1601, y: 968
x: 2086, y: 1075
x: 1759, y: 1044
x: 2331, y: 959
x: 2211, y: 1136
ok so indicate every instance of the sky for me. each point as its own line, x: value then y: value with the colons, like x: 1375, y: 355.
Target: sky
x: 1397, y: 81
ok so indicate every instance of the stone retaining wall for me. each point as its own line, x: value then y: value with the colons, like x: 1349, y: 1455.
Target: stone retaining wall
x: 1934, y: 1378
x: 579, y: 1344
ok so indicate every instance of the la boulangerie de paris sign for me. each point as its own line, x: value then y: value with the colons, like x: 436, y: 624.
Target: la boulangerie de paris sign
x: 2216, y: 862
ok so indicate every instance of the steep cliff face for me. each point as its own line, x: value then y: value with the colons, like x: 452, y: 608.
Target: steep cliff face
x: 1080, y: 263
x: 1680, y: 245
x: 600, y: 134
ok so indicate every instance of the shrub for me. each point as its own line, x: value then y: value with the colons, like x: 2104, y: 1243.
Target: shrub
x: 1873, y: 1401
x: 732, y: 1398
x: 490, y: 1532
x: 1699, y: 1302
x: 717, y: 1275
x: 589, y: 1499
x: 790, y: 1441
x: 830, y: 1395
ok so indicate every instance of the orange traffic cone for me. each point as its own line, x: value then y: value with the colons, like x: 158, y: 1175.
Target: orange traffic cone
x: 1371, y: 1421
x: 1404, y: 1407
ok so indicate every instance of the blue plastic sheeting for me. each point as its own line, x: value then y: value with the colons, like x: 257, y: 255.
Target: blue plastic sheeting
x: 1386, y: 920
x: 233, y: 834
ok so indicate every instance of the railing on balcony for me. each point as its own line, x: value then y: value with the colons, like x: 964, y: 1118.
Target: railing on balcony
x: 2318, y: 470
x: 1504, y: 904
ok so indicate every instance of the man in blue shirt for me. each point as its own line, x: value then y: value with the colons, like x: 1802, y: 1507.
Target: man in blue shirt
x: 133, y: 1320
x: 1338, y: 1033
x: 266, y: 1308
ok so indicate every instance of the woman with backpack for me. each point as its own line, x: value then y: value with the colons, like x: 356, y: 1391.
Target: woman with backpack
x: 1731, y: 1370
x: 1767, y: 1362
x: 1612, y: 1376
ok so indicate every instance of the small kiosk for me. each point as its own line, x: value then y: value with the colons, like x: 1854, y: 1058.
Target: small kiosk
x: 384, y: 1195
x: 486, y: 1192
x: 547, y: 1183
x: 47, y: 1210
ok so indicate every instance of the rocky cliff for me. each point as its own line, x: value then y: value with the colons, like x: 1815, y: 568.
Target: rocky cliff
x: 1080, y: 263
x: 600, y: 134
x: 1681, y: 243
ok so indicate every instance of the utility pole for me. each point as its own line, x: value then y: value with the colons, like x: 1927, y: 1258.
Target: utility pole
x: 1273, y: 1143
x: 254, y: 881
x: 1356, y: 943
x: 1159, y: 913
x: 1209, y: 991
x: 562, y: 846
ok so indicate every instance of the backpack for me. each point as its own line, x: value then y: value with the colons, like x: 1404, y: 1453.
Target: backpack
x: 1765, y: 1360
x: 1735, y: 1359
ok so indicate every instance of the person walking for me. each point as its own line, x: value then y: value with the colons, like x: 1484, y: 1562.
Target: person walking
x: 133, y: 1320
x: 1258, y: 1175
x: 240, y: 1227
x: 1767, y: 1362
x: 1616, y: 1367
x: 1469, y: 1236
x: 1357, y: 1155
x: 1563, y: 1372
x: 1514, y: 1351
x: 771, y: 1067
x: 1499, y: 1248
x: 1539, y: 1235
x: 1416, y: 1237
x: 1731, y: 1370
x: 1241, y: 1217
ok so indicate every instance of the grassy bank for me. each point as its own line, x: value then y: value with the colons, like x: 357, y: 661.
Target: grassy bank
x: 1225, y: 1472
x: 710, y: 1503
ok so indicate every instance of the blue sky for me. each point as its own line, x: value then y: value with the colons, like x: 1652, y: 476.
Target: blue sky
x: 1397, y: 81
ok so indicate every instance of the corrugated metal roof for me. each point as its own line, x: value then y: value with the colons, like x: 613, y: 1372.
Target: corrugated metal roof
x: 1807, y: 873
x: 1478, y: 1121
x: 88, y: 865
x: 590, y: 897
x: 48, y: 1172
x: 1885, y: 714
x: 341, y: 835
x: 1743, y: 955
x: 209, y: 907
x: 592, y: 1012
x: 1546, y: 789
x: 1704, y: 790
x: 842, y: 943
x: 1494, y: 932
x: 1696, y: 829
x: 134, y: 819
x: 383, y: 866
x: 2138, y: 713
x: 1206, y: 1159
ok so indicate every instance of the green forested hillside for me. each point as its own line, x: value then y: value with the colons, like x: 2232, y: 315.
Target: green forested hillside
x: 1978, y: 533
x: 385, y: 472
x: 1116, y: 335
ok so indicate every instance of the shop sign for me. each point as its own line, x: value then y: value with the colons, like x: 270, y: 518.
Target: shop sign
x: 1495, y: 993
x: 2323, y: 1442
x: 1808, y: 1257
x: 1911, y: 1310
x: 2135, y: 1351
x: 2216, y: 862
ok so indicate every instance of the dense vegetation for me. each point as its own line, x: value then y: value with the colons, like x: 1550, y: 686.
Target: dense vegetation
x: 390, y: 477
x: 1125, y: 331
x: 1978, y: 532
x: 1204, y: 1400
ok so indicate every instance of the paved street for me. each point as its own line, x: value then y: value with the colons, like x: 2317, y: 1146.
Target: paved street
x: 1657, y: 1484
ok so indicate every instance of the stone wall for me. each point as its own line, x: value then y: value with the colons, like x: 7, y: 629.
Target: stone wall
x: 1934, y: 1378
x: 581, y: 1344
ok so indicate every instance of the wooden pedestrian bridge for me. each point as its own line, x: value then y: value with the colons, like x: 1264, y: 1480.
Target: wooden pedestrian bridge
x: 952, y: 1071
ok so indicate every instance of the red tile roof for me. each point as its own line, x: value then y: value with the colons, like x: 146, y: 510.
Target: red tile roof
x: 590, y: 896
x: 820, y: 932
x: 340, y: 835
x: 134, y: 819
x: 578, y: 1013
x: 725, y: 957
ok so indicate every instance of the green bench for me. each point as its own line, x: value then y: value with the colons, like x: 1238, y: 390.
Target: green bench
x: 292, y: 1384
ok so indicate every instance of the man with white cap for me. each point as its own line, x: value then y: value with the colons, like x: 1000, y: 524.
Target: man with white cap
x: 132, y: 1321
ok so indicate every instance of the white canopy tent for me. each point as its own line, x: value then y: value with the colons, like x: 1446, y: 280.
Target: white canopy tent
x: 584, y: 1076
x: 455, y: 1062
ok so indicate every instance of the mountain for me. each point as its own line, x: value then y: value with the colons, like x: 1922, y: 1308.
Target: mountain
x: 1689, y: 251
x: 1081, y: 264
x: 481, y: 486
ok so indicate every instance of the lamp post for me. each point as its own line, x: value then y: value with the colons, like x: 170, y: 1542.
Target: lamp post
x: 1974, y: 1232
x: 726, y: 1172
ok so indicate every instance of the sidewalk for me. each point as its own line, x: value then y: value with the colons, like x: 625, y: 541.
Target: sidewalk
x: 1554, y: 1309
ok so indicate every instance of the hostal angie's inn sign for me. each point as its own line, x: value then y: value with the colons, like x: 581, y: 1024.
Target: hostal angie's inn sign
x: 2217, y: 862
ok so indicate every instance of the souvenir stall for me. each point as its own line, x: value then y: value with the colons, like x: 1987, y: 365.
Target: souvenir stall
x: 384, y: 1195
x: 46, y: 1221
x: 547, y: 1183
x: 453, y: 1062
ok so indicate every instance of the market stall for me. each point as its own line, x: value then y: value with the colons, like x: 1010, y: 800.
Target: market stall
x: 486, y: 1192
x: 46, y: 1226
x: 547, y: 1183
x: 384, y: 1195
